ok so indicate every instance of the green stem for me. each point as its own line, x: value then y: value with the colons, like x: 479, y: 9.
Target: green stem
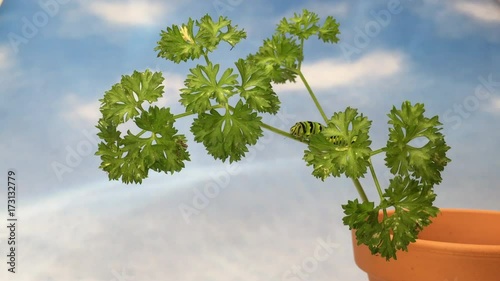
x: 280, y: 132
x: 141, y: 133
x: 311, y: 93
x: 183, y: 115
x: 380, y: 150
x: 360, y: 190
x: 207, y: 60
x: 302, y: 50
x: 374, y: 176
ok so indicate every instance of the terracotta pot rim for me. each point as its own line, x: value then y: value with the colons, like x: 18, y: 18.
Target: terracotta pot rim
x: 435, y: 260
x: 479, y: 250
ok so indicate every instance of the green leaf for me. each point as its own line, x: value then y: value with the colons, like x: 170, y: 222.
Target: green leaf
x: 124, y: 100
x: 211, y: 33
x: 177, y: 43
x: 233, y: 35
x: 329, y: 31
x: 228, y: 136
x: 351, y: 157
x: 107, y: 130
x: 208, y: 31
x: 202, y: 85
x: 356, y: 213
x: 278, y: 58
x: 425, y: 162
x: 131, y: 157
x: 301, y: 25
x: 256, y: 88
x: 180, y: 43
x: 306, y: 24
x: 413, y: 210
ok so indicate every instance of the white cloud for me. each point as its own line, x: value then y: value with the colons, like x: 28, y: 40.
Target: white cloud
x: 172, y: 84
x: 494, y: 105
x: 459, y: 19
x: 6, y: 57
x: 10, y: 72
x: 77, y: 111
x: 481, y: 11
x: 128, y: 13
x: 334, y: 73
x: 89, y: 18
x: 324, y: 9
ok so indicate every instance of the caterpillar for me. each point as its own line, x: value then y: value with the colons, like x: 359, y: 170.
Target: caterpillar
x: 304, y: 130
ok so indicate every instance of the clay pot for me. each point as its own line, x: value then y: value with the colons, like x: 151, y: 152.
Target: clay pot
x: 460, y: 245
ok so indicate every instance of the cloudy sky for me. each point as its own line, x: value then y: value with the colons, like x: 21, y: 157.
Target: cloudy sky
x: 269, y: 216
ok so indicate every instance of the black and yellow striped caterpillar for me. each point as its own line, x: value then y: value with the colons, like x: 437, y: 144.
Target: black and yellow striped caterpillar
x: 304, y: 130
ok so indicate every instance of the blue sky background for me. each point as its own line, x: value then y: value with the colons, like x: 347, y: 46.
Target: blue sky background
x: 270, y: 214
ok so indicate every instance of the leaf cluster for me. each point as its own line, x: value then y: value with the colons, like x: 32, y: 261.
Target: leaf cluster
x: 416, y: 146
x: 196, y: 38
x: 306, y: 24
x: 351, y: 157
x: 281, y: 55
x: 130, y: 157
x: 416, y: 169
x: 384, y: 234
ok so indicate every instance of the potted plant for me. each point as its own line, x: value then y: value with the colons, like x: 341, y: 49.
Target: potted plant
x: 228, y: 105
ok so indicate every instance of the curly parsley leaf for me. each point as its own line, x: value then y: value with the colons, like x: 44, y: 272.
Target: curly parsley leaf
x: 306, y: 24
x: 350, y: 156
x: 228, y: 136
x: 124, y: 100
x: 256, y: 88
x: 357, y: 213
x: 202, y: 85
x: 211, y: 33
x: 180, y: 43
x: 131, y: 157
x: 278, y: 58
x: 301, y: 25
x: 329, y: 31
x: 386, y: 234
x: 409, y: 125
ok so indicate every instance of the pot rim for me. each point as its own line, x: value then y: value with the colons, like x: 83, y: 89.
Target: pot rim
x: 479, y: 250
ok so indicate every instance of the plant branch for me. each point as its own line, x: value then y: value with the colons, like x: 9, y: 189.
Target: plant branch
x: 360, y: 190
x: 207, y: 60
x: 374, y: 176
x: 302, y: 50
x: 311, y: 93
x: 375, y: 152
x: 280, y: 132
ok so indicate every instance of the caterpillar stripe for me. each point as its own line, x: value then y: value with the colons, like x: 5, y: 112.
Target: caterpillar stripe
x: 304, y: 130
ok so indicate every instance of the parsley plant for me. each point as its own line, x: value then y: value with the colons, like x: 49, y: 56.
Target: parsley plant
x: 226, y: 129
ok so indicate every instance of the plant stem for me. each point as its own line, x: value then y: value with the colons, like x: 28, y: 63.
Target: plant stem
x: 311, y: 93
x: 374, y: 176
x: 375, y: 152
x: 280, y: 132
x: 183, y: 115
x: 207, y: 60
x: 302, y: 49
x: 356, y: 182
x: 360, y: 190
